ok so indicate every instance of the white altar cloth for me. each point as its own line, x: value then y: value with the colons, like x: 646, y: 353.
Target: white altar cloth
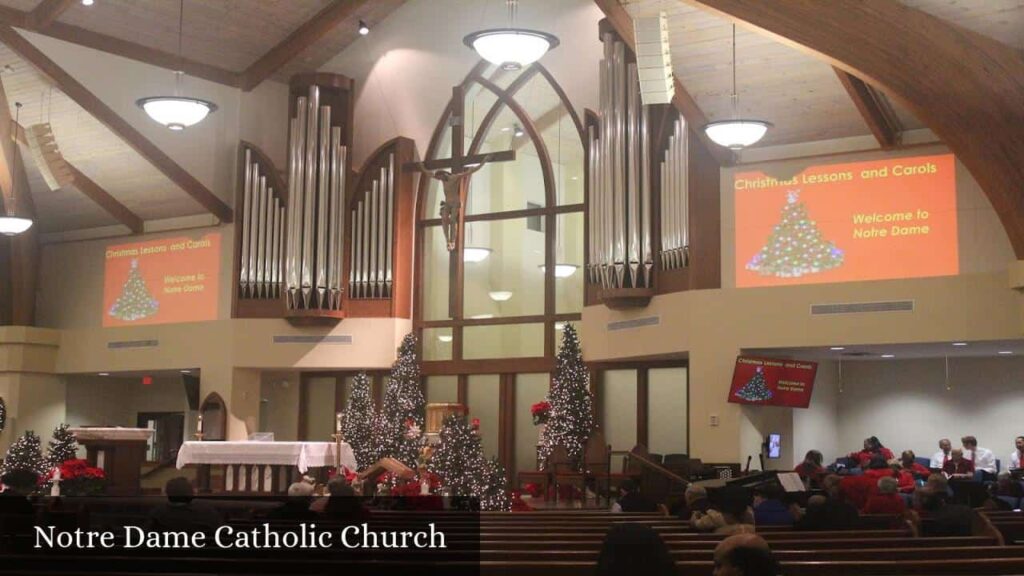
x: 303, y: 455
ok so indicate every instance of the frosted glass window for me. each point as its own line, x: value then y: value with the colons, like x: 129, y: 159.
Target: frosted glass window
x: 668, y: 423
x: 437, y: 343
x: 569, y: 252
x: 618, y: 400
x: 503, y: 341
x: 482, y: 395
x: 435, y: 270
x: 442, y: 389
x: 319, y: 408
x: 510, y: 281
x: 530, y: 389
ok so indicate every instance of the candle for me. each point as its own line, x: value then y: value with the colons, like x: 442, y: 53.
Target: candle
x: 337, y: 422
x: 199, y: 425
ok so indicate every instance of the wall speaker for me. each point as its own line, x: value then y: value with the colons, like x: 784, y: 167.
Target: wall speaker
x: 654, y: 59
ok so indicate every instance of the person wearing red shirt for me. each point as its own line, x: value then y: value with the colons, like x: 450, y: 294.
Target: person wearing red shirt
x: 886, y: 500
x: 908, y: 463
x: 872, y: 446
x: 811, y: 470
x: 958, y: 466
x: 878, y: 468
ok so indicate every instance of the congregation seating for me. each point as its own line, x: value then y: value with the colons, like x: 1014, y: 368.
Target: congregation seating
x: 1009, y: 523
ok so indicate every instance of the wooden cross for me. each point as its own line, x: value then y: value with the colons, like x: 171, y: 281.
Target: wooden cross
x: 458, y: 164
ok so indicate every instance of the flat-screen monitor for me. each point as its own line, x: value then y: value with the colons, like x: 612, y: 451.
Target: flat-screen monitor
x: 774, y: 443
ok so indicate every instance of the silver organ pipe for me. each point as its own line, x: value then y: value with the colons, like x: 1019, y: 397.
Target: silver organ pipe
x: 675, y: 202
x: 312, y: 228
x: 619, y: 157
x: 371, y: 275
x: 260, y: 254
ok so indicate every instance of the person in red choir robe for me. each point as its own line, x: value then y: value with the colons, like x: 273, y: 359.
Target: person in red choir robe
x: 878, y: 468
x: 1018, y: 455
x: 886, y: 500
x: 958, y: 466
x: 940, y: 458
x: 910, y: 472
x: 872, y: 446
x: 811, y: 470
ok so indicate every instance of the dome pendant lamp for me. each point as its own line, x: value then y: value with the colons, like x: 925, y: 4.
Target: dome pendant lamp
x: 736, y: 134
x: 10, y: 223
x: 511, y: 48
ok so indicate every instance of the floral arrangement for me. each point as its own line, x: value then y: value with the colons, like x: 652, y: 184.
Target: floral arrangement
x: 541, y: 411
x: 77, y: 478
x: 533, y: 489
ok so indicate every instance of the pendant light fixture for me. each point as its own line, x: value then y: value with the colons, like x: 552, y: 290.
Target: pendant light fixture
x: 737, y: 133
x: 511, y: 48
x: 10, y: 223
x: 177, y: 112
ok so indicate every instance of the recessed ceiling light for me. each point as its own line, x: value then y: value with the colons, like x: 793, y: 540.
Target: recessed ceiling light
x: 482, y: 316
x: 445, y: 337
x: 104, y: 374
x: 1005, y: 352
x: 838, y: 348
x: 363, y: 28
x: 888, y: 355
x: 959, y: 343
x: 500, y: 295
x: 87, y: 2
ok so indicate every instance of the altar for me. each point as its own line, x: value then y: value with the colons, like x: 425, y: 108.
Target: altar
x: 260, y: 467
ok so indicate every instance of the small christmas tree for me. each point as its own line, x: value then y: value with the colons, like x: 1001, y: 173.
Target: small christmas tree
x: 404, y: 411
x: 358, y: 420
x: 494, y: 495
x: 756, y: 389
x: 25, y: 457
x: 795, y: 247
x: 135, y: 301
x: 63, y: 446
x: 571, y: 418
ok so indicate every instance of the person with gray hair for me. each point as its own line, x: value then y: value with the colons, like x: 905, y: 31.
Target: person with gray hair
x: 695, y: 500
x: 887, y: 500
x: 296, y: 505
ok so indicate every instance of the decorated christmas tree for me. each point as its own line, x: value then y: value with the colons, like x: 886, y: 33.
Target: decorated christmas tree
x: 571, y: 417
x: 795, y: 247
x: 756, y: 389
x: 63, y: 446
x: 494, y: 494
x: 402, y: 416
x: 135, y: 301
x: 358, y: 420
x: 3, y: 414
x: 458, y: 458
x: 25, y: 457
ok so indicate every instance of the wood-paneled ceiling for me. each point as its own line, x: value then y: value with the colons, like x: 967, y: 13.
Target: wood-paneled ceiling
x: 800, y: 94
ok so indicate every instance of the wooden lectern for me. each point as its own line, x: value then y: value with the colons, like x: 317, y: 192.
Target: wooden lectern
x: 120, y: 452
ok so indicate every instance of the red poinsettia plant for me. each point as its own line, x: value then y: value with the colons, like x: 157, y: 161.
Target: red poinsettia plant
x: 540, y: 411
x: 78, y: 478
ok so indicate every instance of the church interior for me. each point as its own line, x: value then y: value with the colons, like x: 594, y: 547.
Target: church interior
x: 593, y: 266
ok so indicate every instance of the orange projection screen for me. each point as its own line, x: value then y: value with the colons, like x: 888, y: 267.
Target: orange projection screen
x: 161, y: 281
x: 893, y: 218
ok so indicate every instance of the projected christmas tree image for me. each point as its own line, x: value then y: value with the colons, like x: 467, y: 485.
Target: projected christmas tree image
x: 135, y: 301
x: 756, y: 389
x: 796, y: 246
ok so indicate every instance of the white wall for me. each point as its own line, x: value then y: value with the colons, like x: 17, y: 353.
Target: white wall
x: 906, y: 404
x: 816, y: 427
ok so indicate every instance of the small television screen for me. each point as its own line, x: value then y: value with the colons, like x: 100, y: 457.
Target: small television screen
x: 775, y: 445
x: 772, y: 382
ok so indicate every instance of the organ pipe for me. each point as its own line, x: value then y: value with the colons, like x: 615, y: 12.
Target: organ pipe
x: 371, y: 273
x: 675, y: 202
x: 313, y: 239
x: 260, y: 254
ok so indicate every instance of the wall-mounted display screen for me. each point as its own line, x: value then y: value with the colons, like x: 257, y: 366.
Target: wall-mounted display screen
x: 161, y: 281
x: 883, y: 219
x: 772, y: 382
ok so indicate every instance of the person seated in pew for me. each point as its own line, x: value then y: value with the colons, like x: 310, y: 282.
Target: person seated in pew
x: 886, y: 500
x: 957, y: 466
x: 342, y: 505
x: 872, y: 447
x: 940, y: 458
x: 983, y: 459
x: 729, y: 513
x: 828, y: 512
x: 744, y: 555
x: 811, y: 470
x: 631, y: 500
x: 1018, y: 454
x: 296, y: 506
x: 1008, y: 490
x: 935, y: 484
x: 910, y: 472
x: 878, y: 467
x: 940, y: 518
x: 181, y: 512
x: 769, y: 509
x: 695, y: 499
x: 634, y: 548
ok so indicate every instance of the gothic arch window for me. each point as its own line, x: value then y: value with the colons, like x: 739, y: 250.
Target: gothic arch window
x: 525, y: 217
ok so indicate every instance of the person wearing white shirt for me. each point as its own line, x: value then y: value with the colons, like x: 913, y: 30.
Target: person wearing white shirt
x: 983, y: 458
x: 940, y: 458
x: 1018, y: 454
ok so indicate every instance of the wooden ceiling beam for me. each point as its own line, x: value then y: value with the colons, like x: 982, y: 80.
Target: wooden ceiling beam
x: 128, y: 133
x: 871, y: 105
x: 622, y: 22
x: 301, y: 38
x: 47, y: 11
x: 118, y: 47
x: 964, y: 86
x: 100, y: 196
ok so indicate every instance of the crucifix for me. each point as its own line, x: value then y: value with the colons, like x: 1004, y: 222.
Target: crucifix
x: 454, y: 174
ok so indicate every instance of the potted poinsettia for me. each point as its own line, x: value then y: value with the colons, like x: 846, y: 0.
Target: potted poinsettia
x: 78, y: 478
x: 540, y: 411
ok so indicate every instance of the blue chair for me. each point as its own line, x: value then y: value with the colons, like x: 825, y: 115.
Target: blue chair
x: 926, y: 462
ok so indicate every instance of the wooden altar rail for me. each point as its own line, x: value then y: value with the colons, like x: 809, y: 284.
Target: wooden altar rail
x: 240, y: 479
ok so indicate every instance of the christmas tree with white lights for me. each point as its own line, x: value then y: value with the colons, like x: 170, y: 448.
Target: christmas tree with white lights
x: 358, y: 421
x: 571, y: 418
x: 756, y: 389
x: 63, y: 446
x: 459, y: 462
x: 795, y: 247
x: 403, y: 414
x: 25, y: 459
x: 135, y: 301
